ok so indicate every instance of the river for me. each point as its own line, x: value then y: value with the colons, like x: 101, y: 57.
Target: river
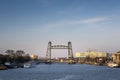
x: 62, y: 72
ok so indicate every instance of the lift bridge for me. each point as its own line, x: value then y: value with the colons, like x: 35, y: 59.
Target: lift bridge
x: 69, y: 47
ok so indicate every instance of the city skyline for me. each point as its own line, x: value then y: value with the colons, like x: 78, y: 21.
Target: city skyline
x: 30, y: 24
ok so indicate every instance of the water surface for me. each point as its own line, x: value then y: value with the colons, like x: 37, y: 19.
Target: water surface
x: 62, y: 72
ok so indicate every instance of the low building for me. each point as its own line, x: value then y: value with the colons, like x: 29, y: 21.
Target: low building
x: 82, y: 54
x: 33, y: 56
x: 62, y: 59
x: 91, y: 56
x: 116, y: 57
x: 94, y: 54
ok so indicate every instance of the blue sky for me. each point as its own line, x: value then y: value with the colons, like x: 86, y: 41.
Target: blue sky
x: 30, y: 24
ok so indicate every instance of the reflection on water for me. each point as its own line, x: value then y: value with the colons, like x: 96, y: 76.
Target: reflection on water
x: 62, y: 72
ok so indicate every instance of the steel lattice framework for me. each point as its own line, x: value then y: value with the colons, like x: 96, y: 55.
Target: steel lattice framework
x: 69, y: 47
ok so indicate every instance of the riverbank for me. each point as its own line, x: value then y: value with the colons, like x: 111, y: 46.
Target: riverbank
x: 2, y: 67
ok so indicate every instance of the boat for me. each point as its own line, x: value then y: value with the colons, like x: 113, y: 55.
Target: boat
x: 10, y: 66
x: 112, y: 64
x: 48, y: 62
x: 27, y: 65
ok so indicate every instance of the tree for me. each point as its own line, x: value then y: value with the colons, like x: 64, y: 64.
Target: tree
x: 20, y: 52
x: 10, y: 52
x: 11, y: 55
x: 19, y: 56
x: 27, y: 58
x: 2, y: 59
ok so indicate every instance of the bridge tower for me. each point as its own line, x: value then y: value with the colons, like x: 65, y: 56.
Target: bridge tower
x: 48, y: 55
x: 70, y: 52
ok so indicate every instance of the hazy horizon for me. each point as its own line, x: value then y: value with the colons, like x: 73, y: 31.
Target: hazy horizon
x: 30, y: 24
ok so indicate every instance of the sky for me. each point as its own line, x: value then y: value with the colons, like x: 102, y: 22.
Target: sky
x: 30, y: 24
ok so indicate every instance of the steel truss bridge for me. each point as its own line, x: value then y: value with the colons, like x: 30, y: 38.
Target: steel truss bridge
x: 69, y: 47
